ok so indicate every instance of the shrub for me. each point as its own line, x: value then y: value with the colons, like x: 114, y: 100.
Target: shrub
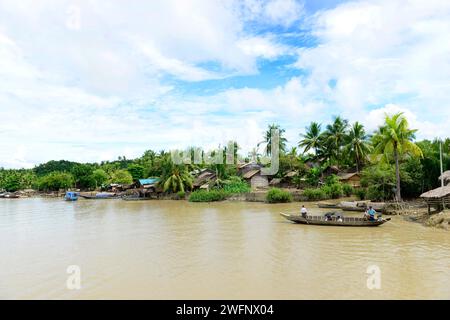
x: 361, y: 193
x: 276, y: 195
x: 348, y: 190
x: 375, y: 194
x: 207, y: 196
x: 236, y: 185
x: 314, y: 194
x: 181, y: 195
x: 334, y: 191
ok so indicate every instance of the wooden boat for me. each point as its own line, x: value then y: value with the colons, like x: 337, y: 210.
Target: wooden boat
x: 9, y: 195
x: 346, y: 221
x: 100, y: 196
x: 71, y: 196
x: 327, y: 205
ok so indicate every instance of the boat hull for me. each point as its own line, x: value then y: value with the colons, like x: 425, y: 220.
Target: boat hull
x: 321, y: 221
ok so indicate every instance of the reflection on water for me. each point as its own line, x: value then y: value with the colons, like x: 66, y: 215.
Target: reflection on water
x: 181, y: 250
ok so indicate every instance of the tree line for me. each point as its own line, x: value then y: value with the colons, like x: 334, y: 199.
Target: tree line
x: 392, y: 164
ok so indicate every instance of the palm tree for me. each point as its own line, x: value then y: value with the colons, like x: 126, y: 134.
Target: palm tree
x: 268, y: 139
x: 395, y: 138
x: 178, y: 180
x: 335, y: 135
x: 357, y: 144
x: 312, y: 138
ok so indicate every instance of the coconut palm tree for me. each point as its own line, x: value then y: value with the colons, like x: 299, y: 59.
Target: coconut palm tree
x: 335, y: 135
x: 178, y: 180
x: 311, y: 138
x: 268, y: 139
x: 357, y: 144
x: 395, y: 138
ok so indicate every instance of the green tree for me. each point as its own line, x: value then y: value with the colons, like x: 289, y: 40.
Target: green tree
x: 121, y: 176
x: 136, y: 171
x: 311, y: 140
x: 55, y: 181
x: 12, y: 182
x: 334, y: 137
x: 395, y: 139
x: 179, y: 179
x: 100, y: 177
x: 268, y: 139
x: 357, y: 144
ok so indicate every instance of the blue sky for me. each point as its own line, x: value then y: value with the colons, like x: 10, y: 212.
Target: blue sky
x: 94, y: 80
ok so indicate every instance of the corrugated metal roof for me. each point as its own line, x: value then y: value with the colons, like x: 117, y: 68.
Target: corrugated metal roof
x: 148, y: 181
x: 250, y: 174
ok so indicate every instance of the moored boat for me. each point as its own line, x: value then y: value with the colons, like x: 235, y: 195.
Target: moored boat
x: 9, y: 195
x: 71, y: 196
x: 99, y: 196
x: 328, y: 205
x: 330, y: 220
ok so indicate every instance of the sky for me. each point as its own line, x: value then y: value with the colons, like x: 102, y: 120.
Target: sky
x: 92, y: 80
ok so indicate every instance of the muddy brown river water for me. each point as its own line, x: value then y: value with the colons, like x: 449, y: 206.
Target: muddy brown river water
x: 228, y: 250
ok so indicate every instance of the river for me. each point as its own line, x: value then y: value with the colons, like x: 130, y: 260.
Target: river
x: 228, y: 250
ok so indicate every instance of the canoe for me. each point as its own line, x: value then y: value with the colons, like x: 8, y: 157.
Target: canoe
x: 346, y: 221
x: 326, y: 205
x: 99, y: 196
x: 9, y: 196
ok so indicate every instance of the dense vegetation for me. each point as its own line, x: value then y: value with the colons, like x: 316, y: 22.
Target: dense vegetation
x: 392, y: 165
x: 276, y: 195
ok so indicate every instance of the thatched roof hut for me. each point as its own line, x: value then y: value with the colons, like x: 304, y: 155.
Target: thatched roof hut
x: 438, y: 193
x: 437, y: 197
x: 446, y: 177
x: 353, y: 179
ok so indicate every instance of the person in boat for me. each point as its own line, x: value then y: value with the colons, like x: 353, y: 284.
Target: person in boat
x: 304, y: 212
x: 371, y: 214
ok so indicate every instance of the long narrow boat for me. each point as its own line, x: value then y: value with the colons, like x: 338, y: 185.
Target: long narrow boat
x: 100, y: 196
x: 324, y: 221
x: 327, y: 205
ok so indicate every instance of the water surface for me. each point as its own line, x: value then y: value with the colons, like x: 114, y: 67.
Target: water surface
x: 228, y: 250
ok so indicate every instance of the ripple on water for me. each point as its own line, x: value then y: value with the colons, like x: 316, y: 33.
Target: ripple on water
x: 175, y: 249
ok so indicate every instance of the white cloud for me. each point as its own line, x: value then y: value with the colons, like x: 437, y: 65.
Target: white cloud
x: 383, y: 51
x: 89, y: 82
x: 276, y: 12
x: 265, y: 47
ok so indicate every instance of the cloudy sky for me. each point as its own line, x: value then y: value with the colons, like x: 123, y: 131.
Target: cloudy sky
x: 93, y: 80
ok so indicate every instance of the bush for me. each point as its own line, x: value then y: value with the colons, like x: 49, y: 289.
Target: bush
x: 236, y: 185
x: 348, y: 190
x: 334, y: 191
x: 375, y: 194
x: 361, y: 193
x: 207, y: 196
x: 181, y: 195
x: 314, y: 194
x: 278, y: 196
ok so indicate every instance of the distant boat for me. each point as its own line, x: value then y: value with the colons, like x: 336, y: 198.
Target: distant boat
x: 100, y: 196
x: 71, y: 196
x: 9, y: 195
x: 327, y: 205
x: 334, y: 221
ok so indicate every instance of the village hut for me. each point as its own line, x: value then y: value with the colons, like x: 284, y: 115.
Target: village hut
x: 331, y: 170
x: 446, y: 177
x: 439, y: 198
x: 149, y: 185
x: 256, y: 179
x: 353, y: 179
x: 204, y: 178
